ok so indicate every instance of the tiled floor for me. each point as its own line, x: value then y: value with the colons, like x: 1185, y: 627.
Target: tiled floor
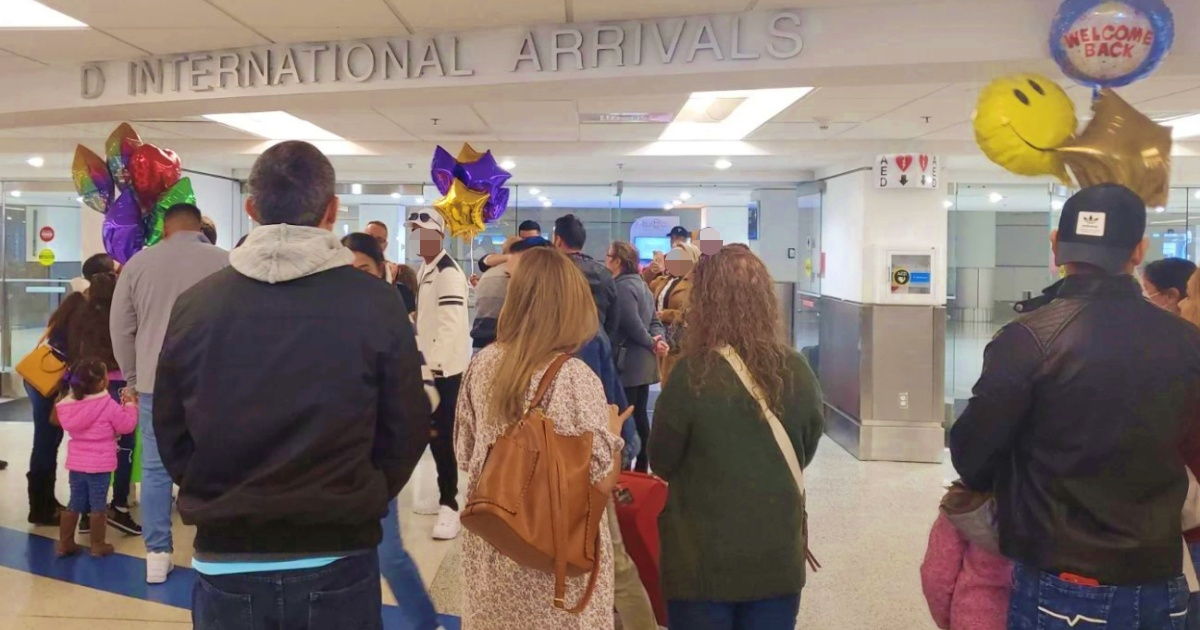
x: 869, y: 524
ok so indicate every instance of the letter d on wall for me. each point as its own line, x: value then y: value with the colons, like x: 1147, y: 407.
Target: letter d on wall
x: 91, y: 81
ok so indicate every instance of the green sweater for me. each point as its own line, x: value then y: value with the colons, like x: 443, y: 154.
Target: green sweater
x: 732, y: 527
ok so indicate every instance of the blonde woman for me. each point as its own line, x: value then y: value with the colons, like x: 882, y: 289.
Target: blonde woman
x: 548, y: 311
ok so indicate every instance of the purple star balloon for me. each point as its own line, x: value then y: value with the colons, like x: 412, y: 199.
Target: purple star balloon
x: 122, y: 230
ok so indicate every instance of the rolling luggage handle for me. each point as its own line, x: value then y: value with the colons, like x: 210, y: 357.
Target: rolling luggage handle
x: 781, y: 440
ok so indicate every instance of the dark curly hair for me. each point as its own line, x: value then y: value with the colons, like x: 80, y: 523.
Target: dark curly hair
x: 733, y: 303
x: 87, y: 377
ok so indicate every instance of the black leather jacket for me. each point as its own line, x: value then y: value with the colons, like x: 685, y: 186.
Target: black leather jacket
x: 1078, y: 423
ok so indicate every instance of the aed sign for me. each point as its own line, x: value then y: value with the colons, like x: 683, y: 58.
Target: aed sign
x: 906, y: 170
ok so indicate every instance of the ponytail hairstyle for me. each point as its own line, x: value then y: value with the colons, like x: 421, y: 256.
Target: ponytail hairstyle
x: 88, y: 376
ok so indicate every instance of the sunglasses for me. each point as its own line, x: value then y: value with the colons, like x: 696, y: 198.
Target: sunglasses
x: 420, y: 216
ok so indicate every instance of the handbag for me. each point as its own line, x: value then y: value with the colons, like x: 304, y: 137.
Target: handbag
x: 535, y: 502
x: 781, y: 440
x: 42, y: 368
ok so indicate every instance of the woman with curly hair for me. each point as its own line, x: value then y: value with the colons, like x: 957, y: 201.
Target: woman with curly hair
x: 734, y: 530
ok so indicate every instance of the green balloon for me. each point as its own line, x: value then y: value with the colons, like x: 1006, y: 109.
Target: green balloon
x: 181, y: 192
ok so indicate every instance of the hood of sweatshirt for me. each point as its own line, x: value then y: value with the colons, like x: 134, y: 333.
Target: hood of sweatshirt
x: 77, y: 415
x: 281, y: 253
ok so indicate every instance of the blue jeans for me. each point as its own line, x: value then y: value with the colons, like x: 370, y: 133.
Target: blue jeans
x: 1041, y: 601
x: 43, y: 459
x: 397, y: 567
x: 156, y: 484
x: 89, y: 492
x: 779, y: 613
x: 344, y: 594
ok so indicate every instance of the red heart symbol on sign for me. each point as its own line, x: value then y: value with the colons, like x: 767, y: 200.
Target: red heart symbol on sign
x: 924, y: 159
x: 903, y: 161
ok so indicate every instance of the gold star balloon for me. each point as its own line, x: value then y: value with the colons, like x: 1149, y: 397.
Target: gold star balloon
x: 1122, y: 146
x: 462, y: 208
x: 468, y: 155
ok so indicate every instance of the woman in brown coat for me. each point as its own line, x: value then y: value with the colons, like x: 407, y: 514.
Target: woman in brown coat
x: 672, y: 292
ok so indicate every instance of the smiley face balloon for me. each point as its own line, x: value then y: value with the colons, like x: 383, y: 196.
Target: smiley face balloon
x: 1020, y: 119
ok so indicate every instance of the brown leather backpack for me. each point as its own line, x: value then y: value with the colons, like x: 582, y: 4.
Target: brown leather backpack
x: 535, y: 502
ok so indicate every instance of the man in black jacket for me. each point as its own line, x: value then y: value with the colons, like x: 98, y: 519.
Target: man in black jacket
x: 289, y: 408
x: 569, y: 237
x: 1078, y: 422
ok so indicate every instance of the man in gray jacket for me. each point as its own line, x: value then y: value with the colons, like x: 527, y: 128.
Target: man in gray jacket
x: 145, y: 293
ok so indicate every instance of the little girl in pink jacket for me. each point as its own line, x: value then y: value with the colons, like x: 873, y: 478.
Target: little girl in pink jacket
x: 967, y: 582
x: 93, y: 420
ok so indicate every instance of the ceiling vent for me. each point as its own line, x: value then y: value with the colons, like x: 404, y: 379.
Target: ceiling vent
x: 624, y: 118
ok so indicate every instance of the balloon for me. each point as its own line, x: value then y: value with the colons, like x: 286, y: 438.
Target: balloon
x: 1110, y: 43
x: 462, y: 208
x: 442, y: 169
x: 496, y: 205
x: 483, y: 175
x: 1020, y: 119
x: 122, y: 228
x: 466, y: 154
x: 119, y: 150
x: 92, y: 179
x: 1122, y: 146
x: 153, y: 171
x: 181, y: 192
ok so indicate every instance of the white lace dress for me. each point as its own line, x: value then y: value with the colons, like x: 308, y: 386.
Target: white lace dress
x: 500, y: 594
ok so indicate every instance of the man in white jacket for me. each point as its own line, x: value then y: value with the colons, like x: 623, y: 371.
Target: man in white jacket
x: 443, y: 335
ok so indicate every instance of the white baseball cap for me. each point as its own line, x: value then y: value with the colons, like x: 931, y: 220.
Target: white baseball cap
x: 428, y: 219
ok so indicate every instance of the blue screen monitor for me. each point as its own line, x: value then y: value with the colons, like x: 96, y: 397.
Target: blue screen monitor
x: 647, y: 245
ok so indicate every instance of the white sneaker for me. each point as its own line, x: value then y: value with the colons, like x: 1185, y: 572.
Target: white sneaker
x: 448, y: 526
x: 158, y: 567
x: 426, y: 508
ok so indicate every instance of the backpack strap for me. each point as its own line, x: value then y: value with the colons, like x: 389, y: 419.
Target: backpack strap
x: 786, y: 448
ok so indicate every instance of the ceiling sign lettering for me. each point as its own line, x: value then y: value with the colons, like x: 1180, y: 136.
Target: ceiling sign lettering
x: 724, y: 38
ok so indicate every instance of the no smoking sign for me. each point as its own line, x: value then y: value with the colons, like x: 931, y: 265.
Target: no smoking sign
x: 46, y: 234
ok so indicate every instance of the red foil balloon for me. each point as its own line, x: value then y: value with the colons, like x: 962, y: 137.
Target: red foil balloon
x: 153, y: 171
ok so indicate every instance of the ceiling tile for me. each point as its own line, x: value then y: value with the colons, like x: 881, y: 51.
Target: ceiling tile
x: 10, y: 63
x: 633, y: 104
x: 331, y: 32
x: 201, y: 129
x: 510, y: 116
x: 144, y: 13
x: 960, y: 131
x: 82, y: 133
x: 452, y: 121
x: 357, y: 124
x: 884, y: 129
x: 799, y: 131
x: 265, y: 15
x: 460, y: 15
x: 65, y: 46
x: 608, y: 10
x: 621, y: 132
x: 163, y: 41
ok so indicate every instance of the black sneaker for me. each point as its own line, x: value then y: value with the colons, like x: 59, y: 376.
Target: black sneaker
x: 123, y: 521
x: 85, y: 524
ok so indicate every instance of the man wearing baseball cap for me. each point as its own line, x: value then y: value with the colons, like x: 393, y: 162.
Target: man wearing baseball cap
x: 678, y: 234
x: 1078, y: 425
x: 444, y: 338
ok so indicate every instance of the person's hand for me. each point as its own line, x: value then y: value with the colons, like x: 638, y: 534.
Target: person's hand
x: 617, y: 418
x: 661, y: 348
x: 129, y: 396
x: 474, y: 280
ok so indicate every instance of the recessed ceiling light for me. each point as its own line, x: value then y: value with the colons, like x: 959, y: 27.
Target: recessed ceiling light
x: 1057, y: 204
x: 685, y: 195
x: 723, y: 164
x: 420, y: 200
x: 676, y: 202
x: 355, y: 189
x: 395, y: 195
x: 947, y: 204
x: 1196, y: 194
x: 36, y: 161
x: 995, y: 197
x: 543, y: 198
x: 535, y: 191
x: 1160, y: 209
x: 31, y: 14
x: 547, y: 203
x: 508, y: 165
x: 274, y: 126
x: 15, y: 193
x: 756, y: 108
x: 1184, y: 126
x: 667, y: 206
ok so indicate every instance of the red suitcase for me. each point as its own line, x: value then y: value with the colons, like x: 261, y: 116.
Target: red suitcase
x: 639, y: 499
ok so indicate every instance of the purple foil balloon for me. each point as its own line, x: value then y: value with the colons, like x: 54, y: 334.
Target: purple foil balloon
x: 496, y: 205
x: 483, y: 175
x: 122, y: 229
x: 442, y: 170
